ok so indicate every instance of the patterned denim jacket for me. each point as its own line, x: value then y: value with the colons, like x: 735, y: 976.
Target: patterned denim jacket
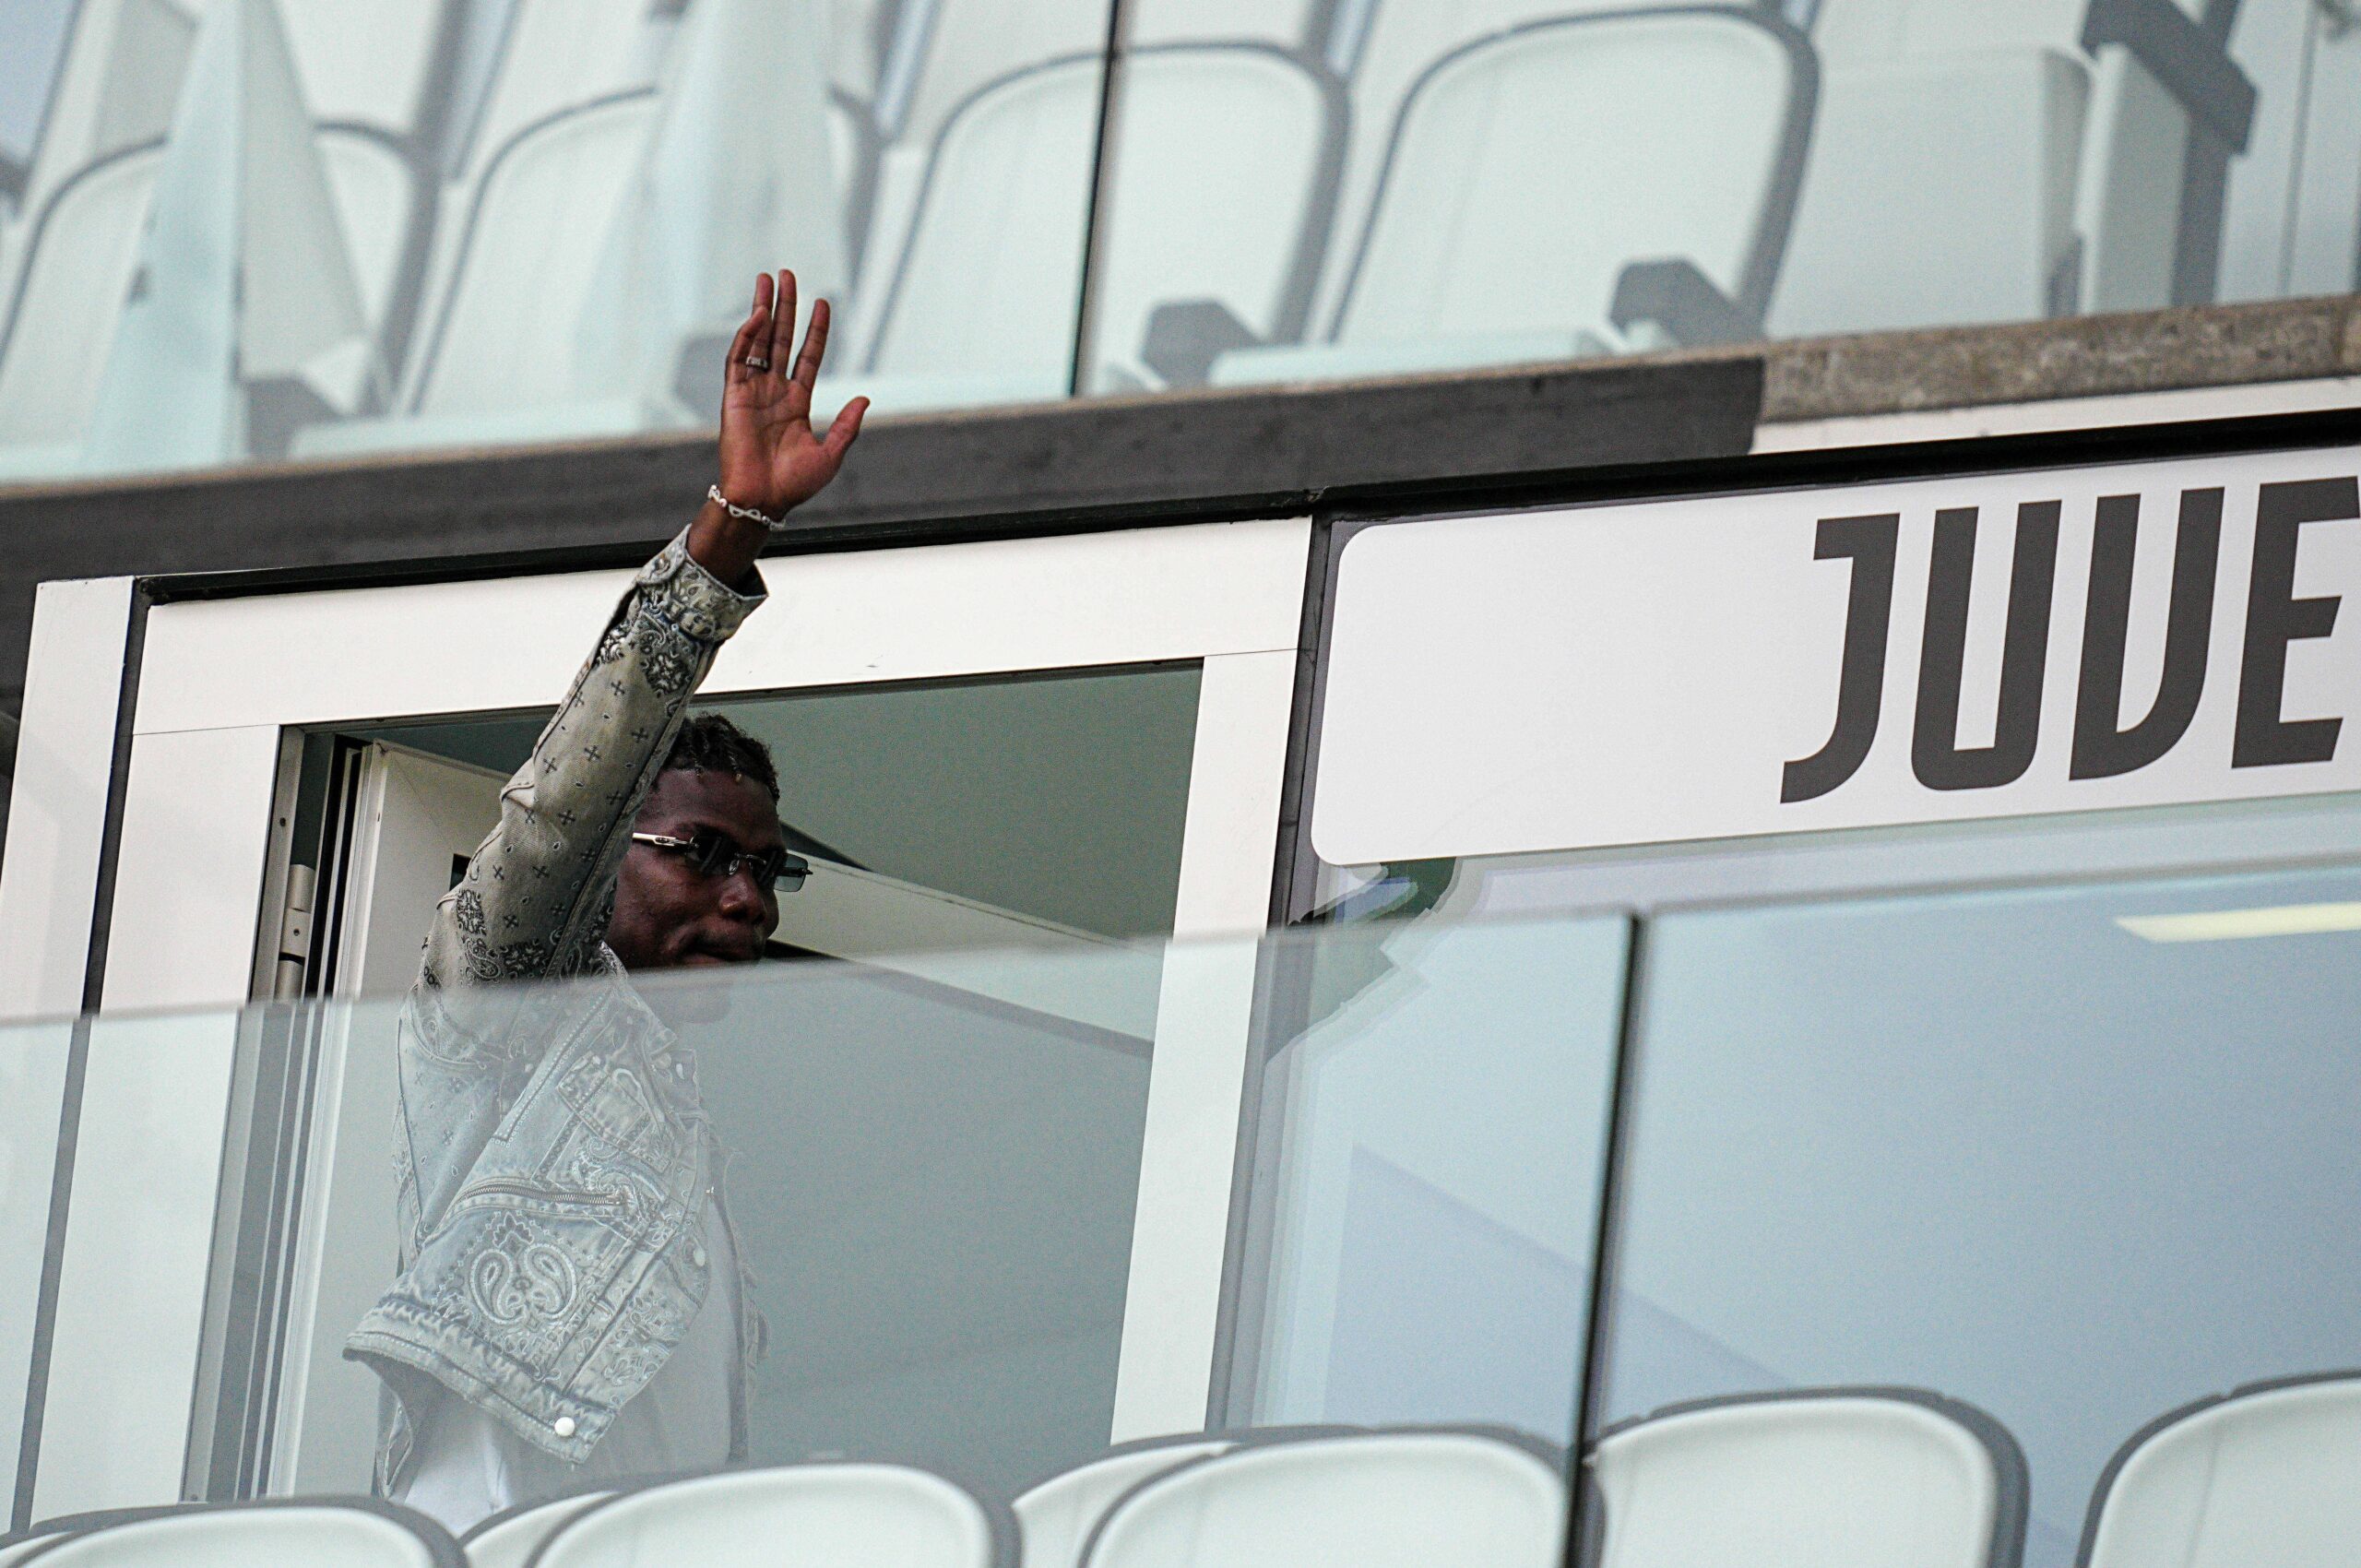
x: 552, y: 1148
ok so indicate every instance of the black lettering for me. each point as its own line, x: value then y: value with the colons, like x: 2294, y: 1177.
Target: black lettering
x: 1935, y: 753
x: 2102, y: 751
x: 1861, y: 678
x: 2276, y: 617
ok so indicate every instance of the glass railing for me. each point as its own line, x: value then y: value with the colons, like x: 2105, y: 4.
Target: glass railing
x: 1987, y: 1198
x: 243, y: 229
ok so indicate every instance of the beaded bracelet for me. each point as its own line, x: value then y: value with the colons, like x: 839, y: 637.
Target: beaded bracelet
x: 713, y: 494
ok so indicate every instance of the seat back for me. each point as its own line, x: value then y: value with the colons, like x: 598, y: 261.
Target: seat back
x: 989, y: 279
x: 1055, y: 1517
x: 1400, y: 1499
x: 69, y: 296
x: 2267, y: 1475
x: 1940, y: 191
x: 18, y: 1545
x: 2135, y: 148
x: 1869, y: 1477
x: 501, y: 329
x: 816, y: 1515
x: 347, y: 1532
x: 509, y: 1538
x: 1244, y: 131
x: 1526, y: 171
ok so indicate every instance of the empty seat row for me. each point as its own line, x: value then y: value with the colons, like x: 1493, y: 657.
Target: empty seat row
x: 1869, y: 1477
x: 1422, y: 186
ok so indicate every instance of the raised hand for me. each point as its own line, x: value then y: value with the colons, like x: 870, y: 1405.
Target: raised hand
x: 772, y: 460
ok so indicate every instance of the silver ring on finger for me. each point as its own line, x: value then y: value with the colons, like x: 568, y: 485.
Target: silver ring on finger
x: 756, y: 362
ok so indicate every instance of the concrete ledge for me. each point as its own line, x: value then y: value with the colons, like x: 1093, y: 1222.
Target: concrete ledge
x: 2079, y: 357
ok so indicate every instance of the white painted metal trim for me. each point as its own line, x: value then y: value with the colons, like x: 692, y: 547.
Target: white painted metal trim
x: 57, y: 802
x: 218, y: 686
x: 926, y: 612
x: 1205, y: 1016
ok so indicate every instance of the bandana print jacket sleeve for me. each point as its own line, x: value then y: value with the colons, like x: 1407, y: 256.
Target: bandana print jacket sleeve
x: 550, y: 1151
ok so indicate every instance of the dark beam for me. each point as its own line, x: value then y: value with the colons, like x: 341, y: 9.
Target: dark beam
x: 1088, y: 463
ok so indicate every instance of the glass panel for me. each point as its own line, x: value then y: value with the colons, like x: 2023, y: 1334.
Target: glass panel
x: 347, y: 213
x: 1433, y: 1117
x: 365, y: 226
x: 32, y: 1092
x: 2074, y: 1155
x: 931, y: 1186
x: 930, y: 1177
x: 1422, y: 186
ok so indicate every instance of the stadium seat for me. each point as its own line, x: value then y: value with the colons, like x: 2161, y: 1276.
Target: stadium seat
x: 1239, y: 128
x: 1407, y: 1498
x: 1244, y: 130
x: 2045, y: 147
x: 814, y: 1516
x: 1938, y: 192
x: 987, y: 281
x: 356, y: 1532
x: 1527, y: 173
x: 375, y: 187
x: 2268, y: 1475
x: 1873, y: 1478
x: 84, y: 246
x: 495, y: 358
x: 509, y: 1538
x: 1054, y: 1517
x: 17, y: 1545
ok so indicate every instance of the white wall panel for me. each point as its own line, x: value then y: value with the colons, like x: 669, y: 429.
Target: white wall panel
x: 836, y: 619
x: 189, y: 873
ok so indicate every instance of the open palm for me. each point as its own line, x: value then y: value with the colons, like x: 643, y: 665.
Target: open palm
x: 771, y: 457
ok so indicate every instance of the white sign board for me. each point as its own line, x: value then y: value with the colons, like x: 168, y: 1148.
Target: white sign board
x: 1989, y: 646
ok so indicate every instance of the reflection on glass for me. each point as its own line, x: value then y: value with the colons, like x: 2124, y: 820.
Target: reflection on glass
x: 32, y: 1091
x: 359, y: 225
x: 932, y: 1187
x: 2006, y: 1148
x: 1426, y: 1185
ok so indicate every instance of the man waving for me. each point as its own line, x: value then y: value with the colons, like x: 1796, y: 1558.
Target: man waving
x: 569, y: 1306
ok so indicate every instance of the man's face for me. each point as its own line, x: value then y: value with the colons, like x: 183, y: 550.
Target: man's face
x: 669, y: 915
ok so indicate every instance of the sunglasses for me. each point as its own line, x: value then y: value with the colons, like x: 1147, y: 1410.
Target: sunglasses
x: 713, y: 854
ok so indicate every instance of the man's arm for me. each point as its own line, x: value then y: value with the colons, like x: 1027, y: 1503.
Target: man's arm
x: 537, y: 896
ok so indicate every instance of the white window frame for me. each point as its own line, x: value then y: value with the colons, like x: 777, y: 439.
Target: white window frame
x: 222, y: 683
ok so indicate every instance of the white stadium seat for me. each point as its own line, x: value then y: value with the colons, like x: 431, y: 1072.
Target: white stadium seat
x: 1868, y: 1479
x: 987, y: 283
x: 1399, y: 1499
x: 502, y: 333
x: 1938, y: 192
x: 1054, y: 1518
x: 53, y: 338
x: 814, y: 1516
x: 495, y: 357
x: 342, y: 1532
x: 1526, y: 171
x: 509, y: 1538
x: 375, y: 191
x: 2025, y: 143
x: 1243, y: 130
x: 2269, y: 1477
x: 17, y: 1545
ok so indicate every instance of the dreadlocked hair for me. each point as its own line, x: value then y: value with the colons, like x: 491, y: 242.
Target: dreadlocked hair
x: 710, y: 743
